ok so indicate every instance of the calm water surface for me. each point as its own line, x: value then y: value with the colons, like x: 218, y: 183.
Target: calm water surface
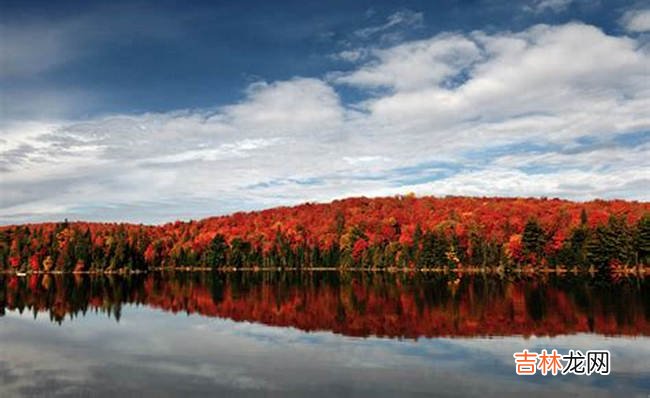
x: 315, y: 334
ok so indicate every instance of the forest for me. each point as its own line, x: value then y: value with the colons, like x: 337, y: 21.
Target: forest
x: 404, y: 231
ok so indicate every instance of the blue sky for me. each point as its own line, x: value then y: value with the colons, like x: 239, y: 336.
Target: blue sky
x: 153, y: 111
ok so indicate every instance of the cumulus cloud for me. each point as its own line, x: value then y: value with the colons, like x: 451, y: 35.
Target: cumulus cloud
x: 415, y: 64
x: 636, y: 20
x: 550, y: 110
x: 545, y: 67
x: 298, y: 106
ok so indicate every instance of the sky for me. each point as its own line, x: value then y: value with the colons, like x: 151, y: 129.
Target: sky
x: 149, y: 112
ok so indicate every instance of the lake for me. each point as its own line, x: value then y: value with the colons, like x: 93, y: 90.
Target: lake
x: 316, y: 334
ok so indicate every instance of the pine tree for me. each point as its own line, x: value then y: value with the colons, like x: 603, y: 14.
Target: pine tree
x: 642, y: 239
x: 610, y: 242
x: 82, y: 248
x: 216, y: 253
x: 416, y: 246
x: 577, y: 246
x: 239, y: 252
x: 427, y: 254
x: 533, y: 238
x: 624, y: 239
x: 599, y: 247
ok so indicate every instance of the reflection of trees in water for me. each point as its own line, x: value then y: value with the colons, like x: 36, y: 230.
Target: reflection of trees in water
x: 359, y: 304
x: 536, y: 303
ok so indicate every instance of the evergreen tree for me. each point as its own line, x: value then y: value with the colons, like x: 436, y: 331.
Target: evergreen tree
x: 239, y: 252
x: 575, y: 248
x: 533, y: 238
x: 216, y: 253
x: 642, y: 239
x: 610, y: 242
x: 416, y: 247
x: 83, y: 248
x: 427, y: 257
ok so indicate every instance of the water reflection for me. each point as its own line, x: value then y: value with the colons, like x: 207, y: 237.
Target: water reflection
x: 352, y: 304
x: 115, y: 335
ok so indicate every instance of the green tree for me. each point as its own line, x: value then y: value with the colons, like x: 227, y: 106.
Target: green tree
x: 613, y: 241
x: 216, y: 253
x: 239, y: 252
x: 574, y: 250
x: 83, y: 247
x: 642, y: 239
x: 533, y: 238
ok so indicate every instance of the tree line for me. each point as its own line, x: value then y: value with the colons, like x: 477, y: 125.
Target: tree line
x: 405, y: 232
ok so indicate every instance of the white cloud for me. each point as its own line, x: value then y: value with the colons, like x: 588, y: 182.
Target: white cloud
x: 565, y: 183
x: 299, y: 106
x: 416, y: 64
x: 402, y: 19
x: 479, y: 113
x: 544, y: 68
x: 636, y: 20
x: 539, y: 6
x: 351, y: 55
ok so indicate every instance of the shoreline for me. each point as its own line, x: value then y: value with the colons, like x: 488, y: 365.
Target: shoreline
x: 637, y: 270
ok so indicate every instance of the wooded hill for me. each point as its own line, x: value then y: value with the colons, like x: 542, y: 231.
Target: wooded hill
x: 401, y: 231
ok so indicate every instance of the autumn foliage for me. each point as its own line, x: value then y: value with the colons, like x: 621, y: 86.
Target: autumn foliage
x: 402, y: 231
